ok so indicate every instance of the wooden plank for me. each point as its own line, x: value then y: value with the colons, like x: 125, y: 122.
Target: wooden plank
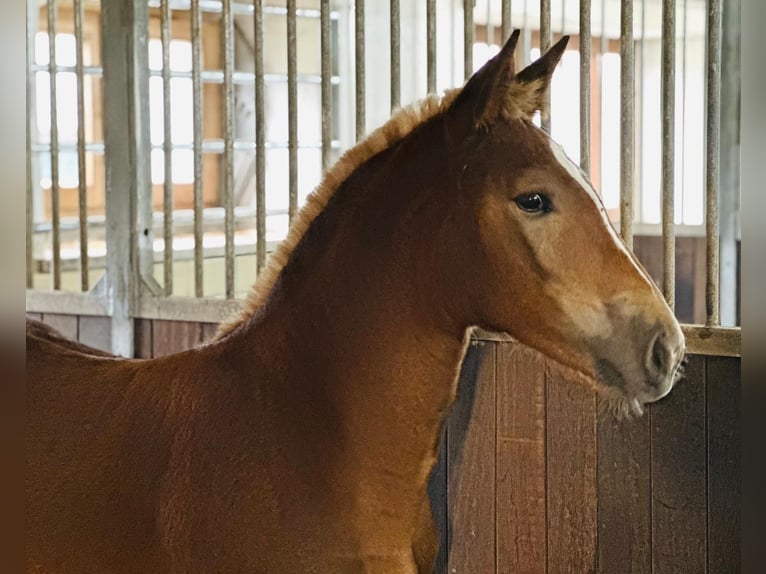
x: 208, y: 331
x: 174, y: 336
x: 96, y: 332
x: 679, y: 481
x: 437, y: 493
x: 143, y: 333
x: 571, y: 474
x: 624, y: 495
x: 520, y: 501
x: 67, y: 325
x: 715, y: 341
x: 724, y: 466
x: 471, y: 465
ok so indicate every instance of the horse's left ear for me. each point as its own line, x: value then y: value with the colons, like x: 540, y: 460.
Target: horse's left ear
x: 477, y: 99
x: 527, y: 93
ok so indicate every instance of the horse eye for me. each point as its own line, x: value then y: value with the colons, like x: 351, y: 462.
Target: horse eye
x: 533, y: 202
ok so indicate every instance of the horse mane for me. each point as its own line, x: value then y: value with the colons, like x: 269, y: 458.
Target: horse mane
x: 401, y: 124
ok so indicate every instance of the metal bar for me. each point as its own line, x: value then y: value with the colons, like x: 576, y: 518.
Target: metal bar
x: 260, y: 141
x: 684, y: 110
x: 545, y: 44
x: 86, y: 70
x: 668, y: 150
x: 52, y: 10
x: 292, y: 109
x: 82, y: 188
x: 730, y: 149
x: 32, y: 15
x: 585, y: 55
x: 125, y: 30
x: 246, y: 8
x: 228, y: 154
x: 431, y: 46
x: 603, y: 48
x: 490, y: 25
x: 638, y: 160
x: 396, y: 74
x: 239, y: 78
x: 627, y: 71
x: 712, y: 159
x: 196, y: 32
x: 467, y: 38
x: 505, y: 26
x: 167, y: 148
x: 359, y: 68
x: 326, y: 89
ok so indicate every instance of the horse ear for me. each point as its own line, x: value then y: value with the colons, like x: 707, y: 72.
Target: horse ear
x: 528, y: 92
x: 479, y: 95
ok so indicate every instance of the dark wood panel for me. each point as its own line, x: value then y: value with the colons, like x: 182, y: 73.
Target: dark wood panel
x: 142, y: 332
x: 96, y: 332
x: 471, y: 465
x: 679, y: 484
x: 571, y: 475
x: 724, y: 464
x: 624, y: 495
x: 437, y: 493
x: 67, y: 325
x: 520, y: 502
x: 174, y: 336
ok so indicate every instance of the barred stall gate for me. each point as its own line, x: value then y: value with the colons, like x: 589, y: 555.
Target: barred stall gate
x: 138, y: 243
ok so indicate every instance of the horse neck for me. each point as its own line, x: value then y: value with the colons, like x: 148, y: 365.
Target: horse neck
x: 346, y: 325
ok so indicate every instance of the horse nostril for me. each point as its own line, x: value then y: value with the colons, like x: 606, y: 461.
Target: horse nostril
x: 660, y: 356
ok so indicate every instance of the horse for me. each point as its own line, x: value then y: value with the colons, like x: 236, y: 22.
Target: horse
x: 301, y: 438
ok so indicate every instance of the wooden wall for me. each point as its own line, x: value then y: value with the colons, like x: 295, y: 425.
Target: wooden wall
x: 531, y: 480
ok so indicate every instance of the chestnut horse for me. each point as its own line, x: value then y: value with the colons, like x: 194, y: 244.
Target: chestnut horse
x: 301, y: 439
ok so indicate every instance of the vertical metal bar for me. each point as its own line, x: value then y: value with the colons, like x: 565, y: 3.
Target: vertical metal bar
x: 545, y: 44
x: 125, y: 30
x: 505, y: 25
x: 196, y: 32
x: 32, y: 15
x: 585, y: 55
x: 490, y: 25
x: 395, y: 54
x: 731, y: 35
x: 167, y: 149
x: 712, y: 157
x: 640, y: 115
x: 603, y: 49
x: 627, y: 71
x: 260, y: 141
x: 668, y: 150
x: 55, y: 190
x: 228, y: 138
x: 604, y: 41
x: 526, y: 37
x: 431, y: 45
x: 292, y: 109
x: 82, y: 187
x: 467, y: 38
x: 359, y: 68
x: 326, y: 71
x: 684, y: 111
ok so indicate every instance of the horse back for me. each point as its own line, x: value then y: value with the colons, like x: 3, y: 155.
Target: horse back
x: 97, y: 444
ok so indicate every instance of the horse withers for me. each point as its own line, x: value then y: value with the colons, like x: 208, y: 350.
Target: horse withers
x: 301, y: 439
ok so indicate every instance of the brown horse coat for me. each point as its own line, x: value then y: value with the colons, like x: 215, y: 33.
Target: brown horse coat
x: 302, y: 438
